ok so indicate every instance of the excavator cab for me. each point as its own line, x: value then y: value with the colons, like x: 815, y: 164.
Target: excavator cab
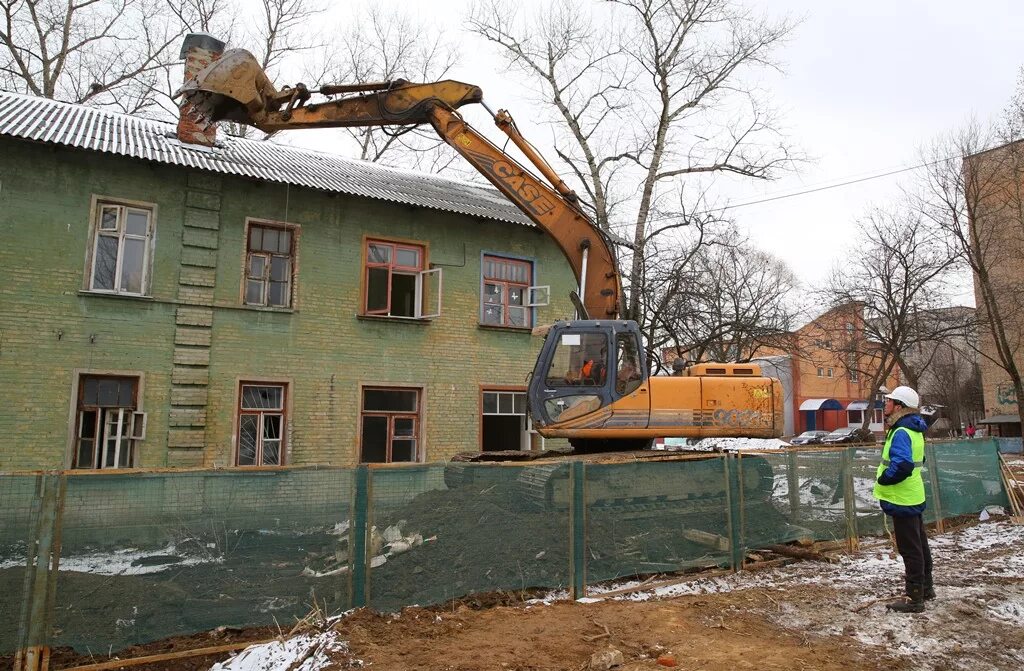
x: 590, y: 375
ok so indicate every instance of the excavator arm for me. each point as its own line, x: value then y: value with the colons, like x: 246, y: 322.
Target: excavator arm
x: 235, y: 88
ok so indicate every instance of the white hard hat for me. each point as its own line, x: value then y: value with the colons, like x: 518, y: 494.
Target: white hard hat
x: 906, y: 396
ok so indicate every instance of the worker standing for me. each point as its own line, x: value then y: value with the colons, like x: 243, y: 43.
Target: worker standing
x: 899, y: 489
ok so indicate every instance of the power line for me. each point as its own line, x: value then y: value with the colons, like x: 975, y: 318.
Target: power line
x: 807, y: 191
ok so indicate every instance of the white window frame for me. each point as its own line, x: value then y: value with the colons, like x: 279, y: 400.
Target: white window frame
x: 98, y: 204
x: 421, y: 281
x: 527, y: 428
x: 131, y: 423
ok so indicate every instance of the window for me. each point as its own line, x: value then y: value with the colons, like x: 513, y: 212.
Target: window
x: 829, y: 373
x: 507, y: 295
x: 261, y: 424
x: 821, y: 372
x: 396, y: 283
x: 390, y: 426
x: 504, y: 425
x: 856, y: 417
x: 120, y: 258
x: 627, y: 371
x: 269, y: 266
x: 579, y: 359
x: 109, y: 427
x: 851, y: 366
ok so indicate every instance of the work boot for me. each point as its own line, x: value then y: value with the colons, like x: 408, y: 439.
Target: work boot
x: 929, y: 588
x: 915, y: 602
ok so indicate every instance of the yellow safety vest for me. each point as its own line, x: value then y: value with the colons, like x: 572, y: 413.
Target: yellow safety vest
x: 910, y: 492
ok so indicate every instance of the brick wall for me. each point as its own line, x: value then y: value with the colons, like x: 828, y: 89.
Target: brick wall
x: 193, y: 340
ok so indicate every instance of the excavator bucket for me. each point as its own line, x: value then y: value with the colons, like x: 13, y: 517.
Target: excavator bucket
x: 233, y: 88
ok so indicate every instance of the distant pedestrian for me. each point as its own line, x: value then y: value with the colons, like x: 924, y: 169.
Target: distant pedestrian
x: 970, y: 430
x: 899, y: 489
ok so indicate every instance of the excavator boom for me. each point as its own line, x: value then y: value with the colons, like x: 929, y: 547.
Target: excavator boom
x: 235, y: 88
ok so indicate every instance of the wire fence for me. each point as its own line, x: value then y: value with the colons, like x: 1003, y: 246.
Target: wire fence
x: 98, y: 562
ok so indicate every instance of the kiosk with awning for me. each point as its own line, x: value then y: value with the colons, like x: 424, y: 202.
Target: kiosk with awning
x: 859, y: 407
x: 1004, y: 426
x: 810, y: 409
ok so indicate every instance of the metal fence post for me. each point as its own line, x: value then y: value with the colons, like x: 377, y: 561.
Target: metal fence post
x: 577, y: 531
x: 360, y: 527
x: 40, y: 586
x: 793, y: 484
x: 736, y: 549
x: 933, y: 476
x: 850, y: 500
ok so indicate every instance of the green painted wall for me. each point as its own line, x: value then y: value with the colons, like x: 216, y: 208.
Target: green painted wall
x: 50, y: 328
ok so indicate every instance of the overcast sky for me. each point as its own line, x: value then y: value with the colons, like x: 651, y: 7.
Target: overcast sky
x: 865, y: 84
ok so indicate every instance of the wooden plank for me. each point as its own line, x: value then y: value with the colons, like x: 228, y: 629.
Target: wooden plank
x: 180, y: 654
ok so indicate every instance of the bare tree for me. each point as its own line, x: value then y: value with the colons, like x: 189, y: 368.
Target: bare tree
x: 384, y: 45
x: 953, y: 381
x: 897, y: 277
x: 101, y: 52
x: 724, y: 303
x: 644, y: 98
x: 974, y: 192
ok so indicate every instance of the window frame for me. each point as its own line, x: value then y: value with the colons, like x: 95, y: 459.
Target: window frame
x: 421, y: 274
x: 529, y: 429
x: 418, y: 423
x: 285, y: 412
x: 529, y: 291
x: 96, y: 203
x: 134, y: 418
x: 295, y: 231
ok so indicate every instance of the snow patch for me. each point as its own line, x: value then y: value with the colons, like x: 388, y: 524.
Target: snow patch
x: 308, y: 652
x: 126, y: 561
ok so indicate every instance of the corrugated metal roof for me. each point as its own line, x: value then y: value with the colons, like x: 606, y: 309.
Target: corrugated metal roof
x: 43, y: 120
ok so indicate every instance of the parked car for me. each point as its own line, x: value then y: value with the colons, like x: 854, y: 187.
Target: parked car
x: 848, y: 434
x: 808, y: 438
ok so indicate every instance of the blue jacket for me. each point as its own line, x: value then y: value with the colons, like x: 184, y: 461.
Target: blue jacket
x: 901, y: 464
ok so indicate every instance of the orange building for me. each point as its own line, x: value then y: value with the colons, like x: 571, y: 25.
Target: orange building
x: 831, y: 360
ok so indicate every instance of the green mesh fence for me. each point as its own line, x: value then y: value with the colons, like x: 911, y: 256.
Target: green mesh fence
x: 441, y: 531
x: 653, y: 517
x: 19, y: 517
x: 968, y: 476
x: 145, y: 556
x: 808, y: 490
x: 149, y: 556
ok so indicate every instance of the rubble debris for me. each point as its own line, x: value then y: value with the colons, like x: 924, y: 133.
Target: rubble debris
x: 602, y: 660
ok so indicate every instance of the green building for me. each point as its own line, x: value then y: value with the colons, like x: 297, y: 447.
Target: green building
x: 169, y: 304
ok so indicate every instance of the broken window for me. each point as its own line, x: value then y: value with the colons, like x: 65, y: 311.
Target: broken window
x: 261, y: 424
x: 269, y: 265
x: 390, y: 426
x: 507, y: 296
x: 504, y: 425
x: 120, y: 258
x: 108, y: 424
x: 397, y: 284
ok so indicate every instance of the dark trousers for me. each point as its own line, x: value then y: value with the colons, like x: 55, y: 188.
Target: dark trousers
x: 912, y: 542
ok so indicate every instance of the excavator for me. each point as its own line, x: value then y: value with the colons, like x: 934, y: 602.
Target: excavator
x: 591, y: 383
